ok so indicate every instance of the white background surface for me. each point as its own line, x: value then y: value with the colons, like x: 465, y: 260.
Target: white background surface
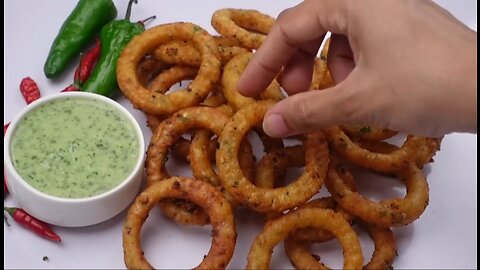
x: 445, y: 236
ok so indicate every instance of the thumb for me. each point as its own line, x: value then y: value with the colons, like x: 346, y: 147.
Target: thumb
x: 309, y: 111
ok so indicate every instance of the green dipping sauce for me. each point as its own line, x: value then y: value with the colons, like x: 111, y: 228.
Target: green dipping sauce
x: 74, y: 147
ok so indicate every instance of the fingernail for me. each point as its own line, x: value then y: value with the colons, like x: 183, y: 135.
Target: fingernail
x: 275, y: 126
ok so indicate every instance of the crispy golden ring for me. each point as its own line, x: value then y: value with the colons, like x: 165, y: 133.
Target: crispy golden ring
x: 200, y: 161
x: 194, y: 94
x: 385, y: 248
x: 148, y: 68
x: 202, y: 166
x: 225, y: 42
x: 424, y: 155
x: 181, y: 150
x: 261, y: 199
x: 301, y: 257
x: 427, y: 151
x: 273, y: 166
x: 163, y: 82
x: 382, y: 258
x: 367, y: 133
x: 321, y: 78
x: 215, y: 99
x: 247, y: 27
x: 231, y: 74
x: 165, y: 136
x: 385, y: 213
x: 278, y: 229
x: 184, y: 53
x: 269, y: 143
x: 385, y: 163
x: 219, y: 210
x: 316, y: 235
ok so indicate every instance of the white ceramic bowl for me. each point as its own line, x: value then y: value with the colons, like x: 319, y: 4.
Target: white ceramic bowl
x: 69, y: 212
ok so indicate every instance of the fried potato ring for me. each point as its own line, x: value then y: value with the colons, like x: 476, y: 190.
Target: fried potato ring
x: 316, y: 235
x: 385, y: 163
x: 194, y: 94
x: 382, y: 258
x: 321, y: 78
x: 184, y: 53
x: 385, y: 213
x: 276, y: 230
x: 269, y: 143
x: 235, y: 24
x: 367, y: 133
x: 200, y: 161
x: 166, y: 135
x: 231, y: 74
x: 225, y: 42
x: 218, y: 209
x: 148, y: 68
x: 423, y: 156
x: 163, y: 82
x: 385, y: 250
x: 261, y: 199
x: 181, y: 149
x: 273, y: 166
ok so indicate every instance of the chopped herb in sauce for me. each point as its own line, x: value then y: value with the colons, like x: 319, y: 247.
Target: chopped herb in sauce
x: 74, y: 148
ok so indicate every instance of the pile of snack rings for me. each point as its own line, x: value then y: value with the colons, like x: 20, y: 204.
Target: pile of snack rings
x: 219, y: 119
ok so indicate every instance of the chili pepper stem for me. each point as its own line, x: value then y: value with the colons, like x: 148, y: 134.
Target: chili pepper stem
x: 142, y: 22
x: 129, y: 9
x: 10, y: 210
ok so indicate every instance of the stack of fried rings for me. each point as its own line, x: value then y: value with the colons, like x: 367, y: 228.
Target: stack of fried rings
x: 209, y: 105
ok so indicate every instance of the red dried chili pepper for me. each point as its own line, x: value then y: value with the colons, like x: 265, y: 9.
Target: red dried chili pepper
x: 75, y: 86
x: 29, y: 90
x: 71, y: 88
x: 5, y: 127
x: 84, y: 68
x: 86, y: 64
x: 37, y: 226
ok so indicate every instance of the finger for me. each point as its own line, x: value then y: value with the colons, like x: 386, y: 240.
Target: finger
x: 298, y: 71
x: 299, y: 25
x: 340, y: 58
x: 344, y: 103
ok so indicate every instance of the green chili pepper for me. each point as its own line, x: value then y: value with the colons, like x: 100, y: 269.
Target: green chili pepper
x: 113, y: 38
x: 84, y: 23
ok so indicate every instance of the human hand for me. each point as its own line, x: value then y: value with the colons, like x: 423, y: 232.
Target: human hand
x: 408, y: 66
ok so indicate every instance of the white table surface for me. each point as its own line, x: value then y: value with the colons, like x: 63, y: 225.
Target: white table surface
x: 445, y: 236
